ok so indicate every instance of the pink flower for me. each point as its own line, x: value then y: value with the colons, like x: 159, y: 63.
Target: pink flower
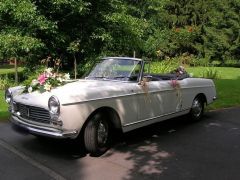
x: 42, y: 78
x: 174, y: 83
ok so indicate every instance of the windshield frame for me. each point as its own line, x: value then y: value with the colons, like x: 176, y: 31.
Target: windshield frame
x: 138, y: 65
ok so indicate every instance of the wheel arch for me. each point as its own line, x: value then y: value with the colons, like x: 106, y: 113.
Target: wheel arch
x: 111, y: 115
x: 203, y: 97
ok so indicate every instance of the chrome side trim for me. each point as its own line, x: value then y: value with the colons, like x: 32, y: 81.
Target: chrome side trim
x: 98, y: 99
x: 156, y: 117
x: 146, y: 122
x: 43, y: 131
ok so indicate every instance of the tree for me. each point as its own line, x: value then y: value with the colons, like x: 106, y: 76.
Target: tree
x: 204, y: 28
x: 19, y: 27
x: 17, y: 46
x: 74, y: 48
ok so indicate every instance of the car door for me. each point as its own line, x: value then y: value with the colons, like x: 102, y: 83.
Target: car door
x: 158, y: 98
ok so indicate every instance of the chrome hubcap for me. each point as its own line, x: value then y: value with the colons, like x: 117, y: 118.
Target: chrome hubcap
x: 196, y: 108
x: 102, y: 133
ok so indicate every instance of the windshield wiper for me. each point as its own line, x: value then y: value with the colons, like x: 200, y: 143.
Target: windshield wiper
x: 116, y: 77
x: 95, y: 77
x: 120, y: 77
x: 104, y: 77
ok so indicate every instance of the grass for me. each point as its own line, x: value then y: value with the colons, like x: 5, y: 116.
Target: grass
x: 224, y: 72
x: 4, y: 114
x: 227, y: 85
x: 227, y: 93
x: 6, y: 69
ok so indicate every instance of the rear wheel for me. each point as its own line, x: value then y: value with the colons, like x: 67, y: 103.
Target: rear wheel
x: 97, y: 135
x: 197, y: 109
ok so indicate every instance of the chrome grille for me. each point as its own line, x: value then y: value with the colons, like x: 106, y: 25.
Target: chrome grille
x: 33, y: 113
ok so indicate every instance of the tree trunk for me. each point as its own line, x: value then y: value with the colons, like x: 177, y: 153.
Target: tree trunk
x: 75, y: 66
x: 16, y: 70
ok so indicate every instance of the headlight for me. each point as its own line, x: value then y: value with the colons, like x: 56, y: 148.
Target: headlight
x: 54, y: 106
x: 8, y: 96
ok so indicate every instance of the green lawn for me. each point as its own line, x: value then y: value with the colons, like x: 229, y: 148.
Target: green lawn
x: 3, y: 107
x: 223, y: 72
x: 227, y: 93
x: 227, y: 85
x: 6, y: 69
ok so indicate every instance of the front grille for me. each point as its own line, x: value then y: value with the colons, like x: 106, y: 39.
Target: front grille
x: 33, y: 113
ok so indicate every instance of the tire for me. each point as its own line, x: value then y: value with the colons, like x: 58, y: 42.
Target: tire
x: 197, y: 109
x: 97, y: 135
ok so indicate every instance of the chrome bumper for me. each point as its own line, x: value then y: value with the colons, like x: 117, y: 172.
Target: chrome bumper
x: 42, y: 130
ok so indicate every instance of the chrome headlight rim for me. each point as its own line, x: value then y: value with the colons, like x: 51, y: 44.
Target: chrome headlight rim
x: 53, y: 101
x: 8, y: 96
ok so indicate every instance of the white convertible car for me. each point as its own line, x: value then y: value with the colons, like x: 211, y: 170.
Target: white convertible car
x: 118, y: 95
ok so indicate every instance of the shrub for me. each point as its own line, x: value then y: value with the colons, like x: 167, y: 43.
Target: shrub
x: 200, y: 62
x: 186, y: 59
x: 11, y: 76
x: 232, y: 63
x: 163, y: 66
x: 216, y: 63
x: 32, y: 73
x: 5, y: 82
x: 211, y: 73
x: 83, y: 69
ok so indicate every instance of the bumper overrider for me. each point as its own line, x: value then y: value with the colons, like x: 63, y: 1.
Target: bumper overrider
x: 42, y: 130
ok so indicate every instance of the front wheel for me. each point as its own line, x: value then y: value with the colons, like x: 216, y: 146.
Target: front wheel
x: 97, y: 135
x: 197, y: 109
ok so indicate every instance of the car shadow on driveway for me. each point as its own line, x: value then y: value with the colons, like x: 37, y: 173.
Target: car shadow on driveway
x: 59, y: 148
x: 72, y: 149
x: 172, y: 149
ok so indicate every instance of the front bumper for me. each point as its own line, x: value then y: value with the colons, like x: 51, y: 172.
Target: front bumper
x: 42, y: 130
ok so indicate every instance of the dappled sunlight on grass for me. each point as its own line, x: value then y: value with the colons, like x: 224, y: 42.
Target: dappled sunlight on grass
x: 223, y: 72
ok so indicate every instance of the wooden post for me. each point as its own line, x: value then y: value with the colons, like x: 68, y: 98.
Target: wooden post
x: 16, y: 70
x: 75, y: 66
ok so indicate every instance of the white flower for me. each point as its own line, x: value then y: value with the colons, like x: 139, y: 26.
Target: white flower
x: 47, y: 87
x: 34, y: 82
x: 60, y: 79
x: 66, y: 76
x: 30, y: 89
x: 48, y: 72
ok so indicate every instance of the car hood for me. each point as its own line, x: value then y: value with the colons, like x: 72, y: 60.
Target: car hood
x: 79, y: 91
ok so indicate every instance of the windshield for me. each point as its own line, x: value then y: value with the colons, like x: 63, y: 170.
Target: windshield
x: 118, y: 69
